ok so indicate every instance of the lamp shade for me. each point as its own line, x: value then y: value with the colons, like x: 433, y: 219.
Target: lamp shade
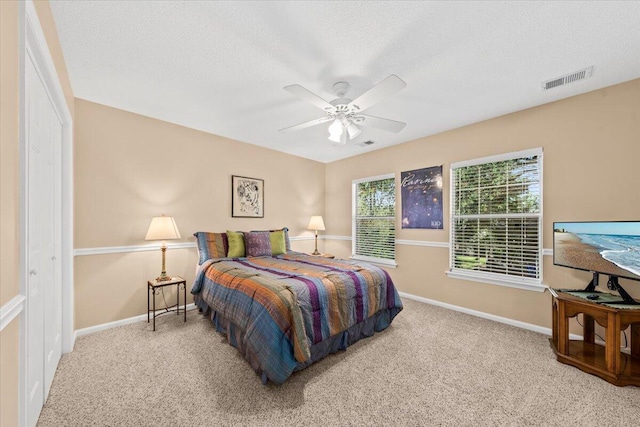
x: 162, y: 228
x: 335, y: 131
x: 316, y: 223
x: 353, y: 130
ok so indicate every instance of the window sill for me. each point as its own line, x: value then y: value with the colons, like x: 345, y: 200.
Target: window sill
x: 377, y: 261
x: 501, y: 282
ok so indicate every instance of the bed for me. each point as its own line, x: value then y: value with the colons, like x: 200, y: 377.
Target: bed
x: 286, y: 311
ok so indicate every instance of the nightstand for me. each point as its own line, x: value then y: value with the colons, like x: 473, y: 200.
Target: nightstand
x: 155, y: 288
x: 324, y: 256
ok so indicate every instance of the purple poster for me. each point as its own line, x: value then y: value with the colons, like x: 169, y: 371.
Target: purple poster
x: 422, y: 198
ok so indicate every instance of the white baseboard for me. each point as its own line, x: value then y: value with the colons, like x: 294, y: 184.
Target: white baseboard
x: 116, y: 323
x: 523, y: 325
x: 505, y: 320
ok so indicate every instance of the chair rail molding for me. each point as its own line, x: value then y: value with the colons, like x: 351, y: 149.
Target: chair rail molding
x: 428, y: 243
x: 130, y: 248
x: 187, y: 245
x: 150, y: 247
x: 10, y: 310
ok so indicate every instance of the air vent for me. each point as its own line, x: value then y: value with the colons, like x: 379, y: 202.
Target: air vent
x: 569, y: 78
x: 362, y: 143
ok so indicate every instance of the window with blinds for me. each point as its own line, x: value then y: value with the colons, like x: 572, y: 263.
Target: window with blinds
x: 496, y: 218
x: 374, y: 219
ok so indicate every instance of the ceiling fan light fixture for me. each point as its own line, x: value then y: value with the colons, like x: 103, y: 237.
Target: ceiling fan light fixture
x: 335, y: 137
x: 343, y: 137
x: 335, y: 127
x: 335, y: 131
x: 353, y: 130
x: 345, y: 114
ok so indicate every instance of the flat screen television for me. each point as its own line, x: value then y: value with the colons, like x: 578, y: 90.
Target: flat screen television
x: 604, y: 247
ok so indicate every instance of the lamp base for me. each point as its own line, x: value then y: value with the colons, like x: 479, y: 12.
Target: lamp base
x: 163, y: 277
x: 315, y: 252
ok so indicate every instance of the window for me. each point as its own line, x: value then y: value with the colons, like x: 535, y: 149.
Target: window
x: 374, y: 219
x: 496, y: 219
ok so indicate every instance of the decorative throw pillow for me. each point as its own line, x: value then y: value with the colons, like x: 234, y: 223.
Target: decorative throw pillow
x: 258, y: 243
x: 278, y: 244
x: 236, y: 244
x: 285, y: 230
x: 211, y: 245
x: 286, y: 238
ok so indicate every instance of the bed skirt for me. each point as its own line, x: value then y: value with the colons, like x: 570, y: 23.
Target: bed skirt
x: 235, y: 335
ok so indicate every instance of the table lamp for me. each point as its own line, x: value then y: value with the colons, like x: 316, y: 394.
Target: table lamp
x: 163, y: 228
x: 316, y: 223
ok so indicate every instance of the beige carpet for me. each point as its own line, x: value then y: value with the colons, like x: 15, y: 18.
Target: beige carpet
x: 432, y: 367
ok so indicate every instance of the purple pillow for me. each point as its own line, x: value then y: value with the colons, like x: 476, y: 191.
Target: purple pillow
x: 257, y: 243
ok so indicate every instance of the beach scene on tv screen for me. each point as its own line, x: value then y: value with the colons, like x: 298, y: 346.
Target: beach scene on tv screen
x: 607, y: 247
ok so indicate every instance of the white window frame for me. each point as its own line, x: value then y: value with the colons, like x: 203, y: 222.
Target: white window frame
x: 497, y: 278
x: 354, y: 189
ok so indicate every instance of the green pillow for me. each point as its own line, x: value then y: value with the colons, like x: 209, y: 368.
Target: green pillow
x: 278, y: 244
x: 236, y: 244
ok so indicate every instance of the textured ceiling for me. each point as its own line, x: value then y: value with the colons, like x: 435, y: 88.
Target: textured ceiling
x: 220, y: 66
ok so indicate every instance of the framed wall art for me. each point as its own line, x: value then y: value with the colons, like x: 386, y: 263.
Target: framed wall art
x: 422, y: 198
x: 247, y: 197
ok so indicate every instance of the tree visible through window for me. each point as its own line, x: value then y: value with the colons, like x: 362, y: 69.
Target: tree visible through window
x: 374, y: 218
x: 497, y: 217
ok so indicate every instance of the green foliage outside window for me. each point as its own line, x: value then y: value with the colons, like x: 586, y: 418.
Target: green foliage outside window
x: 375, y: 218
x: 496, y: 217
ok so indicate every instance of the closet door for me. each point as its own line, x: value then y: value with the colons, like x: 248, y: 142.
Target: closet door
x: 52, y: 283
x: 43, y: 308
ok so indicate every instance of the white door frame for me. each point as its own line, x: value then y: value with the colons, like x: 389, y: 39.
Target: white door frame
x: 33, y: 47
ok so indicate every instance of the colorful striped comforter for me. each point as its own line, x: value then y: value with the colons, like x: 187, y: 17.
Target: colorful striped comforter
x: 286, y: 306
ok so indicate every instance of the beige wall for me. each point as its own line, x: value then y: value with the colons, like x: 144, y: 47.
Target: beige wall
x: 9, y: 285
x: 9, y: 184
x: 129, y: 168
x: 591, y: 153
x: 9, y: 353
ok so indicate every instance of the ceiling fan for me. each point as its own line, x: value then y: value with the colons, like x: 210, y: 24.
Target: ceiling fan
x: 346, y: 114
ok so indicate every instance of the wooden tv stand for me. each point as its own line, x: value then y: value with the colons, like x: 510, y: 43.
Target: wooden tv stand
x: 605, y: 361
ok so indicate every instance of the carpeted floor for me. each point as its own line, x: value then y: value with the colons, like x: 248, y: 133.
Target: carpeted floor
x: 432, y: 367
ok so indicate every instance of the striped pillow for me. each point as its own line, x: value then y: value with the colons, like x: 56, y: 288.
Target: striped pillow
x: 211, y: 245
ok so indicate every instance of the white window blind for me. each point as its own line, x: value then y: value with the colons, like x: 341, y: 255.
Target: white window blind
x: 374, y: 219
x: 496, y: 218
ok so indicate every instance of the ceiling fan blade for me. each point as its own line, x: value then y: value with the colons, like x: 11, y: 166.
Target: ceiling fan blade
x: 309, y: 96
x: 385, y: 88
x: 307, y: 124
x: 380, y: 123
